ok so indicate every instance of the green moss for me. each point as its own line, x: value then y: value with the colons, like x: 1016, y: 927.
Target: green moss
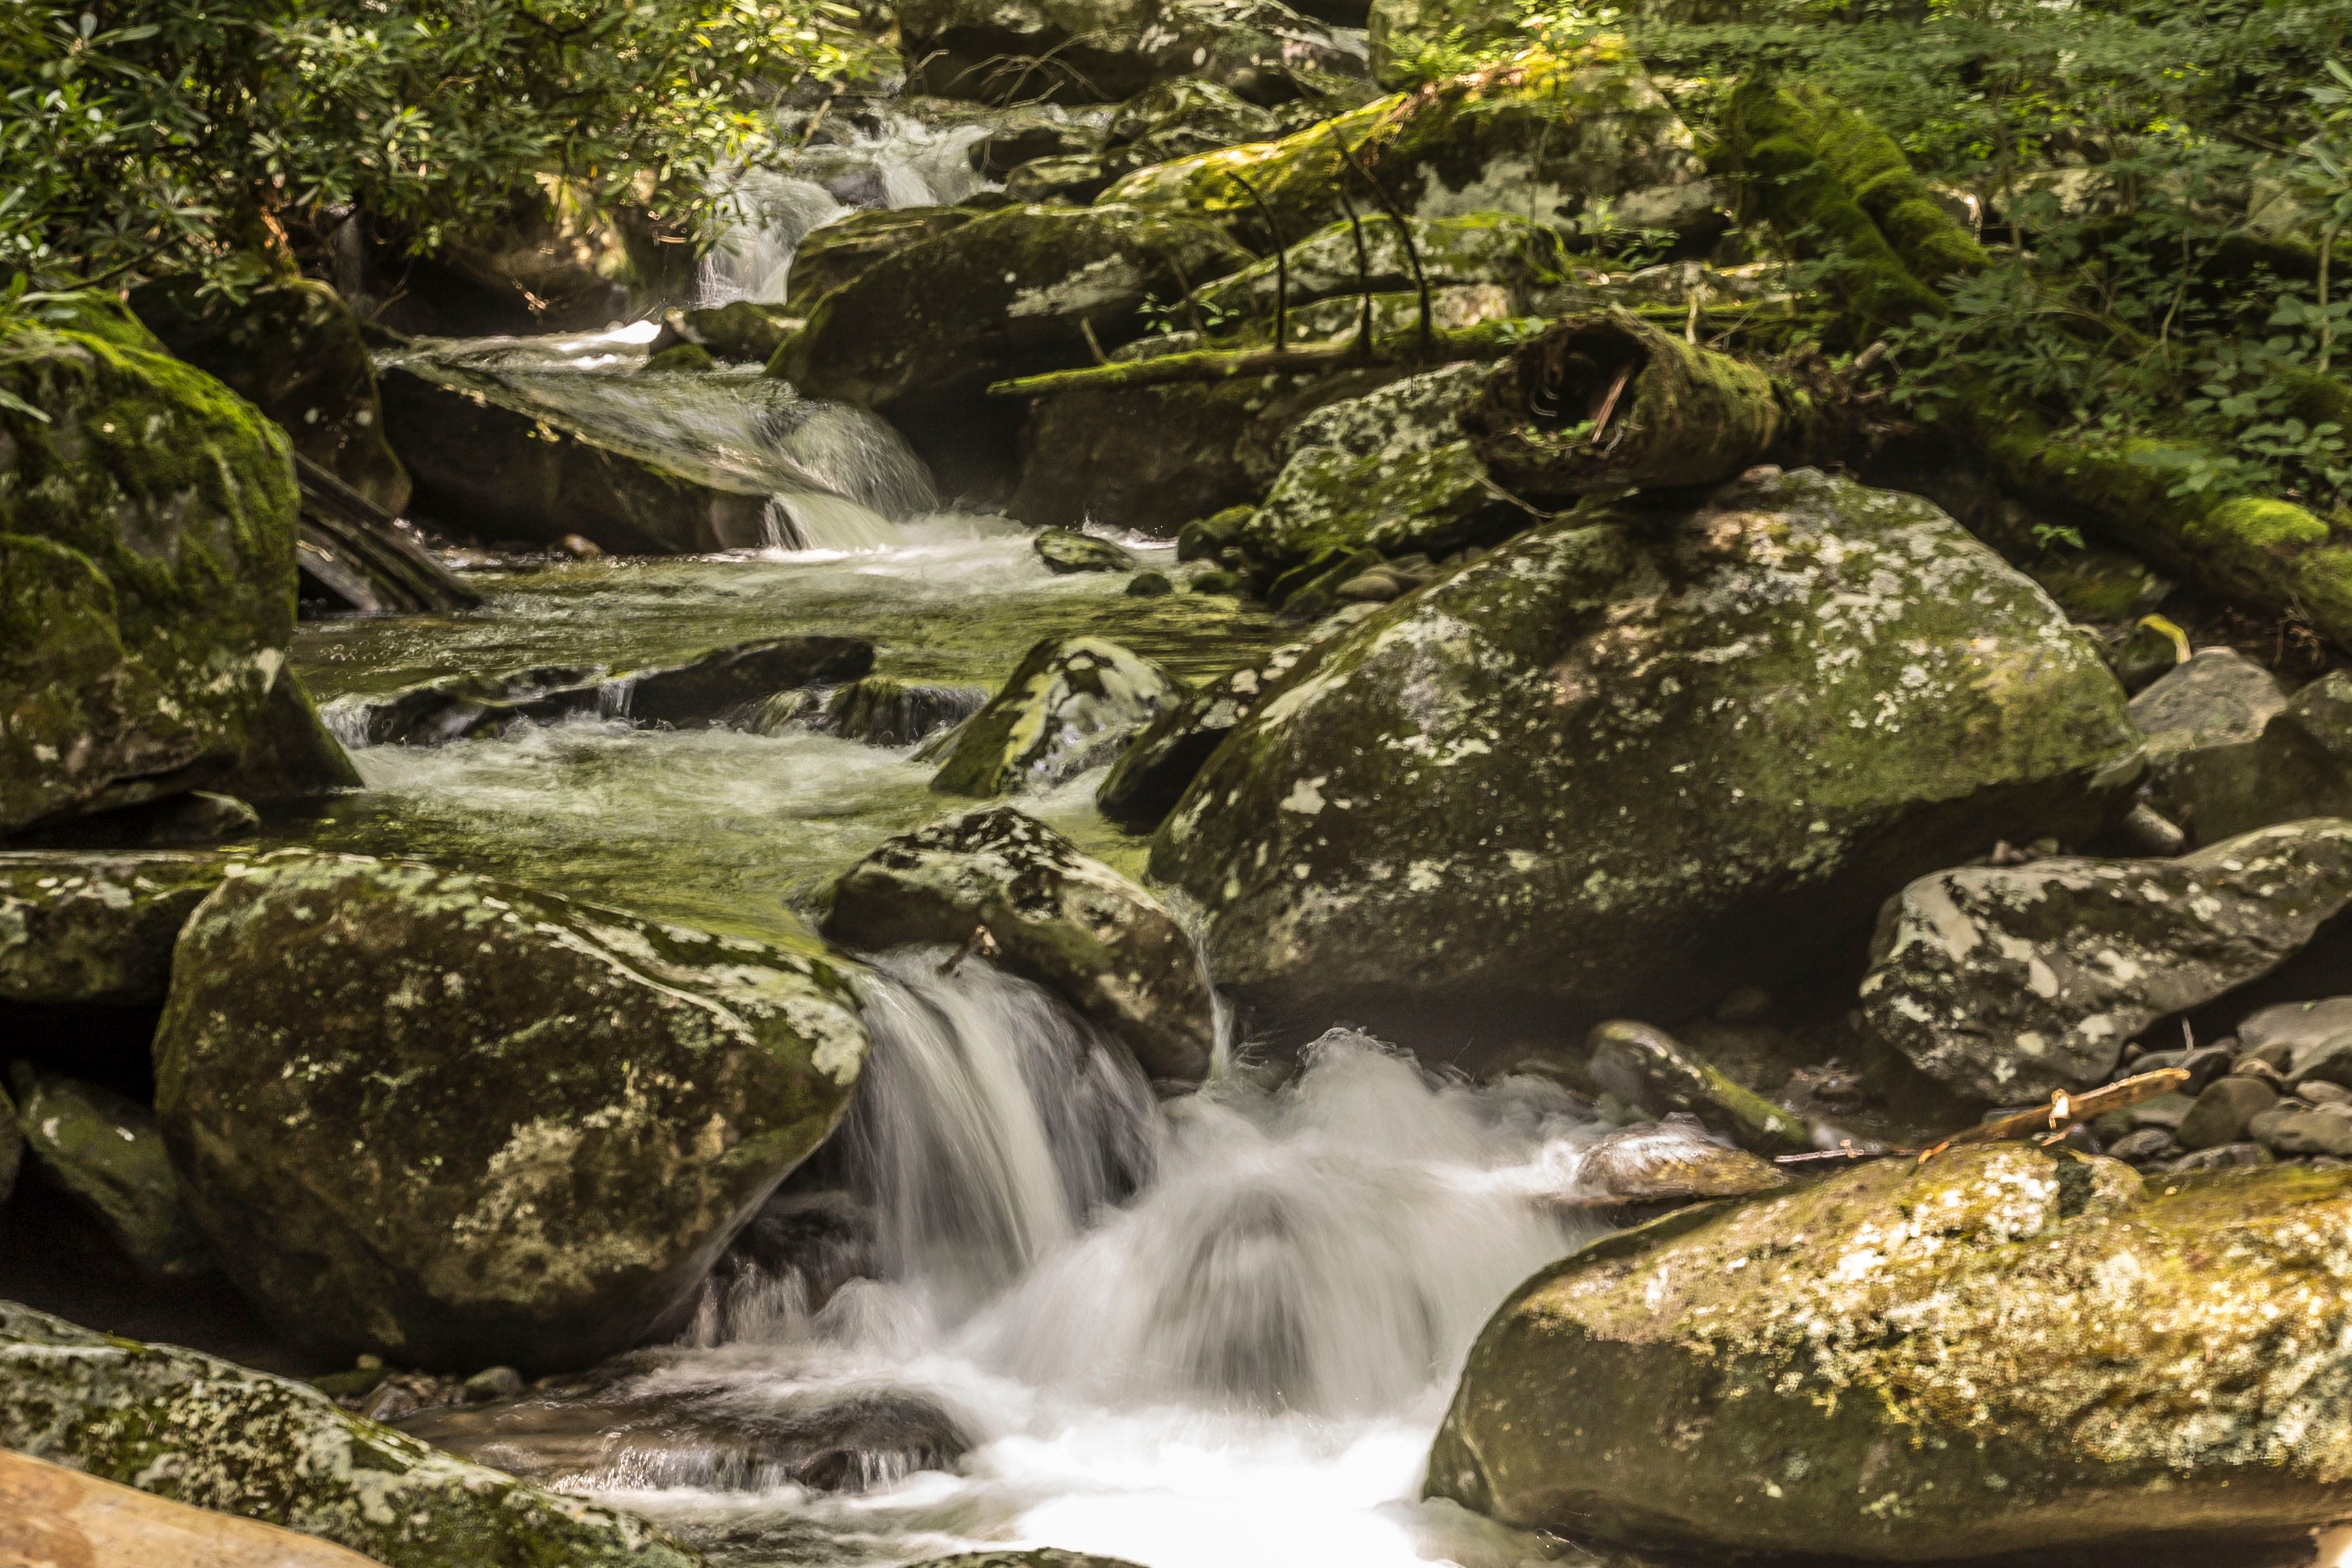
x: 1867, y: 162
x: 680, y: 358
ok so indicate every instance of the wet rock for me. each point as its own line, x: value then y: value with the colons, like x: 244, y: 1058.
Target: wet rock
x: 454, y: 1121
x: 1025, y: 135
x: 147, y: 567
x: 192, y: 820
x: 1149, y: 585
x: 830, y: 256
x: 1178, y: 119
x: 883, y: 710
x: 1068, y: 707
x: 456, y: 706
x: 919, y: 335
x: 678, y: 359
x: 1647, y: 1068
x: 1525, y: 259
x: 493, y: 1383
x: 1550, y: 137
x: 1552, y: 747
x: 1954, y: 1360
x: 1329, y: 505
x: 95, y: 927
x: 2223, y: 1157
x: 1065, y: 551
x: 1037, y: 1557
x: 290, y: 754
x: 203, y: 1432
x: 50, y: 1515
x: 488, y: 461
x: 2224, y: 1110
x: 1101, y: 51
x: 1143, y: 786
x: 2008, y: 981
x: 650, y: 1432
x: 1072, y: 924
x: 104, y: 1152
x: 2144, y: 1146
x: 1075, y: 181
x: 293, y: 350
x: 743, y: 333
x: 2298, y: 1129
x: 1672, y: 1163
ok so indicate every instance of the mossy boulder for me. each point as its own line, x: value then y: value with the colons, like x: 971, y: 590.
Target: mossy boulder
x: 1630, y: 746
x: 1065, y: 551
x: 104, y: 1152
x: 456, y: 1122
x: 292, y: 349
x: 1069, y: 707
x: 1144, y: 785
x: 95, y: 927
x: 147, y: 527
x: 743, y: 331
x: 1071, y: 923
x: 1178, y: 119
x: 1526, y: 259
x: 2004, y: 1350
x: 1102, y: 51
x: 829, y: 256
x: 204, y: 1432
x: 1550, y: 137
x: 2009, y: 982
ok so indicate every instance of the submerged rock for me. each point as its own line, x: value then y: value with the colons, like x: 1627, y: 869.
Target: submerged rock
x: 1100, y: 51
x: 147, y: 567
x: 1065, y: 551
x: 95, y: 927
x: 743, y: 331
x: 883, y: 710
x: 204, y: 1432
x: 2008, y: 981
x: 2004, y: 1350
x: 1074, y: 925
x: 1625, y: 748
x: 104, y: 1152
x: 454, y: 1122
x: 1067, y: 708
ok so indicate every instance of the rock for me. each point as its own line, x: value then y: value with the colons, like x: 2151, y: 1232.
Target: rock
x: 456, y: 706
x: 1328, y: 505
x: 95, y: 927
x: 1072, y: 181
x: 493, y: 1383
x: 678, y: 359
x: 1648, y: 1068
x: 2204, y: 721
x: 1526, y: 259
x: 1959, y: 1359
x: 197, y: 818
x: 1402, y: 30
x: 454, y: 1122
x: 1037, y: 1557
x: 290, y: 754
x: 829, y: 256
x: 1672, y: 1163
x: 1178, y: 119
x: 1150, y: 775
x: 2008, y: 981
x: 2152, y: 649
x: 744, y: 331
x: 293, y: 350
x: 1551, y: 137
x: 196, y: 1430
x: 1067, y: 708
x: 918, y: 336
x: 1064, y: 552
x: 1101, y: 51
x: 12, y: 1145
x: 103, y: 1152
x: 1025, y: 135
x: 1149, y: 585
x: 2225, y: 1157
x: 883, y: 710
x: 661, y: 1429
x: 2224, y: 1110
x: 2294, y: 1130
x: 147, y: 524
x: 2291, y: 1029
x: 1070, y: 924
x: 2144, y: 1146
x: 2256, y: 763
x: 1586, y: 747
x: 50, y: 1515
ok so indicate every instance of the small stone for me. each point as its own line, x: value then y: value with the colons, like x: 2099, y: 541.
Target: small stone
x: 1149, y: 585
x: 2323, y: 1061
x: 2165, y: 1110
x: 2145, y: 1146
x: 1369, y: 588
x: 580, y: 547
x: 493, y: 1383
x: 2224, y: 1110
x: 2295, y: 1132
x: 2256, y: 1066
x: 1065, y: 551
x: 2320, y: 1091
x: 1218, y: 582
x: 2222, y: 1157
x: 2153, y: 833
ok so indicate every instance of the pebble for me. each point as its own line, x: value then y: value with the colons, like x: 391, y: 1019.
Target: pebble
x: 493, y: 1383
x: 2144, y: 1146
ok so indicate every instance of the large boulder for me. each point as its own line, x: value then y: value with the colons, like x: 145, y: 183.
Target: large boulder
x: 104, y: 1153
x: 1071, y: 923
x: 454, y: 1122
x: 2009, y: 982
x: 1178, y: 119
x: 1552, y: 137
x: 2250, y: 757
x: 828, y: 256
x: 919, y: 335
x: 50, y: 1515
x: 1069, y: 707
x: 1100, y: 51
x: 206, y: 1433
x: 1152, y: 775
x: 147, y: 572
x: 2002, y: 1349
x: 95, y: 927
x: 1629, y: 747
x: 1528, y: 261
x: 293, y: 350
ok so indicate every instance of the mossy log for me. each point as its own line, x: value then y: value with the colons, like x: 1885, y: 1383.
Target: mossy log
x: 1865, y: 160
x: 1608, y: 402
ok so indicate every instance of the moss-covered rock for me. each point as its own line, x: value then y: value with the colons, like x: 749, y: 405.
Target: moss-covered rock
x: 743, y: 331
x: 829, y: 256
x: 1101, y: 51
x: 1065, y: 551
x: 458, y: 1122
x: 95, y: 928
x: 1178, y: 119
x: 1648, y: 1068
x: 1625, y: 748
x: 2008, y: 981
x: 104, y: 1152
x: 1068, y: 707
x: 1144, y: 785
x: 1526, y: 259
x: 292, y: 349
x: 1670, y: 1161
x: 1022, y: 135
x: 147, y: 572
x: 1546, y: 136
x: 1072, y: 924
x: 884, y: 710
x: 2004, y: 1350
x: 204, y: 1432
x: 1403, y: 31
x: 679, y: 359
x: 1071, y: 181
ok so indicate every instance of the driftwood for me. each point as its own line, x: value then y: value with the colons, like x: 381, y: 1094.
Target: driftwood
x: 354, y: 549
x: 2043, y: 1123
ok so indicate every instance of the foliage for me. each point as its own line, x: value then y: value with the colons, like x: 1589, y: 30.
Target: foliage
x: 139, y: 136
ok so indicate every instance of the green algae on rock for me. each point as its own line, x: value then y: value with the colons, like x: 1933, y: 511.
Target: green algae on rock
x: 1071, y: 923
x: 2004, y: 1350
x: 1647, y: 1068
x: 1065, y: 551
x: 204, y: 1432
x: 1625, y: 747
x: 1070, y: 705
x: 829, y: 256
x: 147, y: 524
x: 104, y: 1153
x: 94, y: 927
x: 455, y: 1122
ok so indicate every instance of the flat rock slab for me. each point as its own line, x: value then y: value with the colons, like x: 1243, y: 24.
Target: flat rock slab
x: 51, y: 1516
